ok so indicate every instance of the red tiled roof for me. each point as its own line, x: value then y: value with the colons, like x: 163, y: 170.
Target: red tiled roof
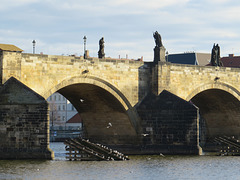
x: 75, y: 119
x: 233, y: 61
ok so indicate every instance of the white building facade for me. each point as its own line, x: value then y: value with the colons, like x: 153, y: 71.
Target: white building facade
x: 61, y: 110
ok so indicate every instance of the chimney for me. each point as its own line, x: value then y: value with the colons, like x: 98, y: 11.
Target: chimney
x: 231, y: 55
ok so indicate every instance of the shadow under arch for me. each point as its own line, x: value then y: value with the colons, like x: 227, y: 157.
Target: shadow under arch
x: 219, y: 108
x: 95, y: 81
x: 103, y: 104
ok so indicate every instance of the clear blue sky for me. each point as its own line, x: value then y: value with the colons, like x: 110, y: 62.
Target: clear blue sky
x: 58, y: 26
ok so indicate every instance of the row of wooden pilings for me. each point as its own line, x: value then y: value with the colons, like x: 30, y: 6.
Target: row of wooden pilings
x: 84, y: 150
x: 228, y: 145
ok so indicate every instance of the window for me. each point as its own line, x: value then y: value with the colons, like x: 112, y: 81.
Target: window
x: 59, y: 107
x: 55, y: 97
x: 50, y: 98
x: 59, y: 97
x: 54, y: 107
x: 63, y: 118
x: 63, y: 107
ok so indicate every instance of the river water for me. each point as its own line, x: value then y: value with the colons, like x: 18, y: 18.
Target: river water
x: 138, y: 167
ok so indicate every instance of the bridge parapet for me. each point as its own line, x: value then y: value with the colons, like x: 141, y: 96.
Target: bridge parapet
x: 186, y: 81
x: 45, y: 74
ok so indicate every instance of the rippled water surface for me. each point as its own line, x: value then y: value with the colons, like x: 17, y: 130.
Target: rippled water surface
x: 139, y: 167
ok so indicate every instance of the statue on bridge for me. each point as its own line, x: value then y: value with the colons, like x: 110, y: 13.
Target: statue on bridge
x: 215, y: 56
x: 158, y: 39
x: 101, y: 53
x: 159, y: 50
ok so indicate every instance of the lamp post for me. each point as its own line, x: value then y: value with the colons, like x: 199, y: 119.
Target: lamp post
x: 167, y: 56
x: 85, y: 39
x: 34, y: 43
x: 66, y: 104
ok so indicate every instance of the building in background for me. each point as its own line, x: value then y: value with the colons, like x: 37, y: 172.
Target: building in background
x: 231, y: 61
x: 192, y: 58
x: 65, y: 121
x: 61, y: 110
x: 74, y: 123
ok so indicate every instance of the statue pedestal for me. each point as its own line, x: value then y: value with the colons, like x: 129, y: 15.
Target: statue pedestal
x: 159, y: 54
x: 101, y: 54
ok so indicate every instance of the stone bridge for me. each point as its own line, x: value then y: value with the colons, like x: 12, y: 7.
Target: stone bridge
x: 152, y: 107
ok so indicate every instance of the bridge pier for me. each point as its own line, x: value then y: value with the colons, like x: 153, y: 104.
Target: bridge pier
x: 170, y: 125
x: 24, y: 127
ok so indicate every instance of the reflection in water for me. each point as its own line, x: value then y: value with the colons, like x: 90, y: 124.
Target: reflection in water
x: 139, y: 167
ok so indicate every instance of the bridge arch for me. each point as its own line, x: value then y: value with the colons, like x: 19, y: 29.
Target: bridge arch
x: 217, y: 85
x: 99, y: 104
x: 94, y: 81
x: 219, y: 107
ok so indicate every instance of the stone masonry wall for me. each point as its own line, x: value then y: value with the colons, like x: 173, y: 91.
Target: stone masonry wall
x: 186, y: 81
x: 169, y: 122
x: 24, y: 122
x: 46, y: 74
x: 170, y: 125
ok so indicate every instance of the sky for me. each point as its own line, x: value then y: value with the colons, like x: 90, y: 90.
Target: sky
x: 58, y: 26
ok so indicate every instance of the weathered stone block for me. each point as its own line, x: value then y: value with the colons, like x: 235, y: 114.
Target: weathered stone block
x: 22, y: 107
x: 172, y: 120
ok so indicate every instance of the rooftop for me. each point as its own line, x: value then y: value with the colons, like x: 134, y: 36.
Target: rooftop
x: 75, y: 119
x: 10, y: 47
x: 231, y: 61
x: 192, y: 58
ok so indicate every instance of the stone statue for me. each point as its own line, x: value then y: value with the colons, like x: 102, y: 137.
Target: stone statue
x: 101, y: 53
x: 159, y: 50
x: 215, y: 56
x: 158, y: 39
